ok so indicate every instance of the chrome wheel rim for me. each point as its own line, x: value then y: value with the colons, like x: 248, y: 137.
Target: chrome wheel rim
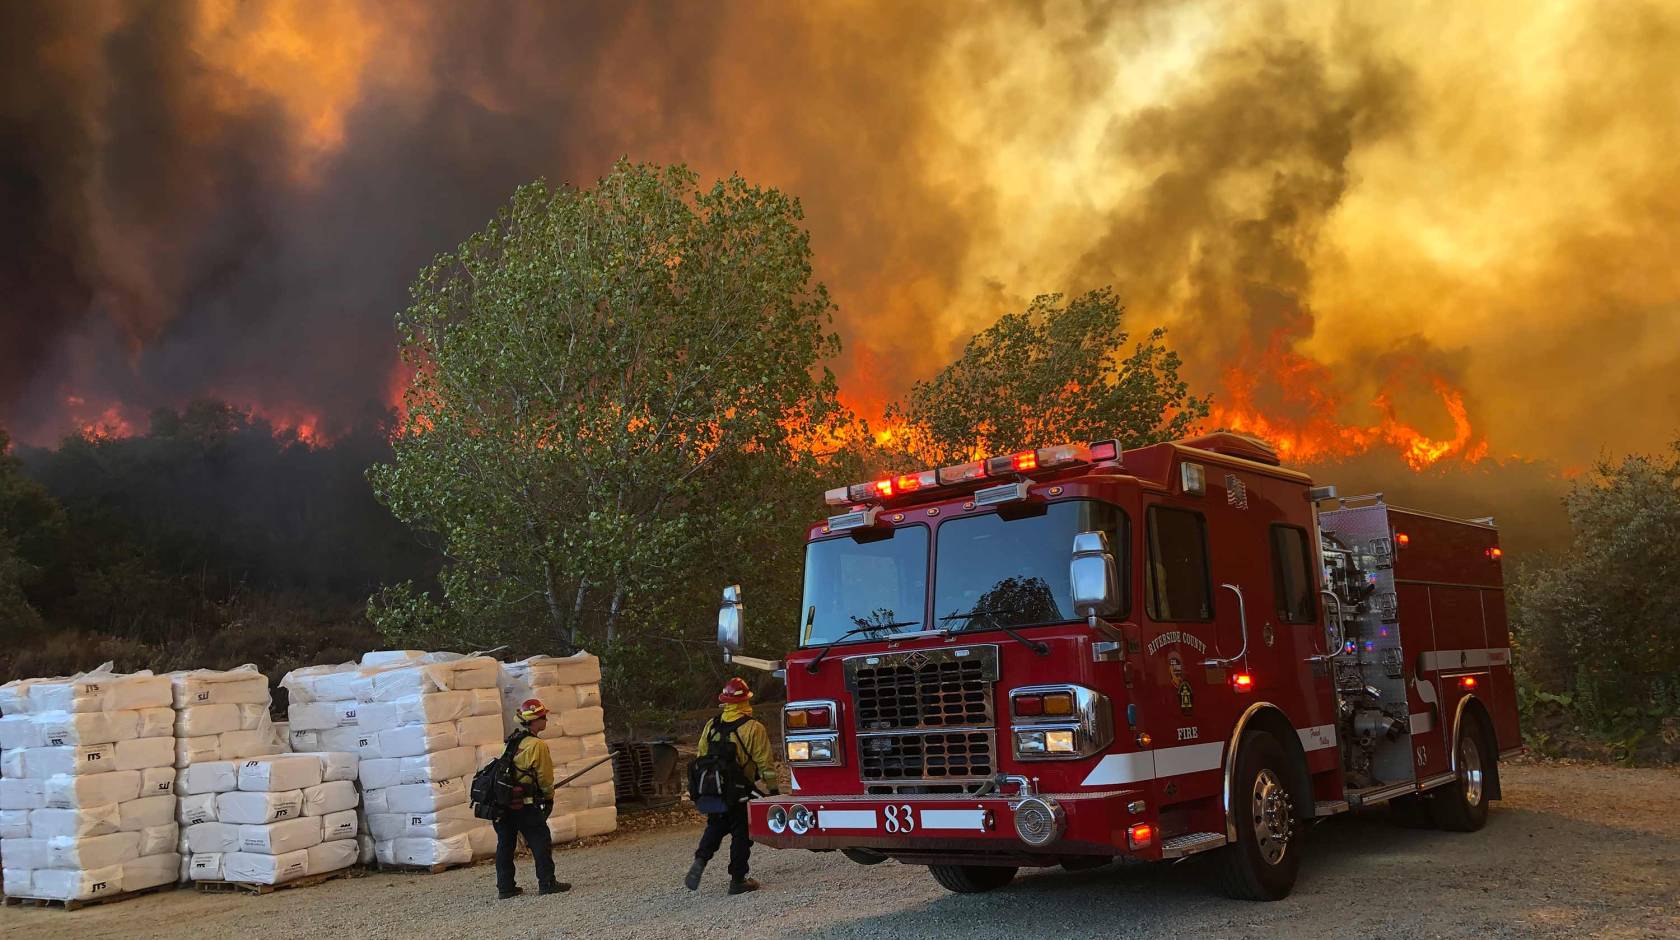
x: 1470, y: 770
x: 1273, y: 816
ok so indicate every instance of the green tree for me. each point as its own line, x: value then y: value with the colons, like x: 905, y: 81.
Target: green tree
x: 614, y: 392
x: 31, y: 524
x: 1052, y: 374
x: 1602, y: 621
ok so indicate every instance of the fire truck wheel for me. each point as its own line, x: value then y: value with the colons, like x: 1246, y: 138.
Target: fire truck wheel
x: 1462, y: 806
x: 972, y: 879
x: 864, y: 856
x: 1262, y: 864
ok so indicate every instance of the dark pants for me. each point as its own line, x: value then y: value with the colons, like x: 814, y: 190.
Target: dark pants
x: 734, y: 824
x: 531, y: 823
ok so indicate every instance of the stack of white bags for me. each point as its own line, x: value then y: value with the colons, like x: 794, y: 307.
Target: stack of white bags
x: 422, y: 723
x: 222, y: 716
x: 87, y: 801
x: 571, y: 688
x: 269, y: 820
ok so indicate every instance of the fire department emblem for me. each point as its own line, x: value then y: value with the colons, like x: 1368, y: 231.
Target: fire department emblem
x: 1186, y: 695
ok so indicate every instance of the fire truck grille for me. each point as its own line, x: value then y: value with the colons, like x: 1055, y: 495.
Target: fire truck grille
x: 925, y: 716
x: 935, y: 755
x: 923, y: 689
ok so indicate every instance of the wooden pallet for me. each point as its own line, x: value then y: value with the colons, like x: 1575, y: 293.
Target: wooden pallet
x: 246, y: 887
x: 90, y: 902
x: 433, y: 869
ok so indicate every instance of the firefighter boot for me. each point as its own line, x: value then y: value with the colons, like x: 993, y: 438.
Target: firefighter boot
x: 742, y: 885
x: 691, y: 881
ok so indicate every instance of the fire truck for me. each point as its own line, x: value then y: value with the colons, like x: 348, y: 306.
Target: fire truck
x: 1067, y: 655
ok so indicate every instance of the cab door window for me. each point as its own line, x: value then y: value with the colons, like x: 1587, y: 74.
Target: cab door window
x: 1291, y: 575
x: 1179, y: 585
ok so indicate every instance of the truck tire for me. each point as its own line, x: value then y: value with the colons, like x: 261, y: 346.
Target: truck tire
x: 1264, y: 861
x: 864, y: 856
x: 972, y: 879
x: 1462, y: 806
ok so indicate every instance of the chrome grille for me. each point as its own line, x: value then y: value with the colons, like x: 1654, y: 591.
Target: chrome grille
x: 925, y: 715
x: 930, y: 755
x: 923, y: 688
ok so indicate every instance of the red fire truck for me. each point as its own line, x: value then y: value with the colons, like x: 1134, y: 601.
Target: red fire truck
x: 1064, y: 655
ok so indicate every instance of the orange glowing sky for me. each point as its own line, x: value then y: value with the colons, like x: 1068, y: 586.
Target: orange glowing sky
x: 1440, y: 229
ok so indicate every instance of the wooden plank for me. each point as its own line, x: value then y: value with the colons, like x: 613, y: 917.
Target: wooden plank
x: 78, y: 905
x: 251, y: 888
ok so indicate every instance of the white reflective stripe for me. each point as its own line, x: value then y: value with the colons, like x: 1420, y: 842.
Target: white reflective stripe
x: 1423, y: 721
x: 1435, y: 660
x: 1122, y: 768
x: 793, y: 782
x: 846, y: 819
x: 1317, y: 737
x: 952, y: 819
x: 1148, y: 765
x: 1188, y: 759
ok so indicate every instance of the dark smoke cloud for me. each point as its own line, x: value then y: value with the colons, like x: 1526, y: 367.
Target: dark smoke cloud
x: 230, y: 199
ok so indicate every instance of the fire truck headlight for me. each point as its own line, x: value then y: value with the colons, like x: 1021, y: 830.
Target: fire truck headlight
x: 814, y: 750
x: 1060, y: 722
x: 800, y: 819
x: 777, y: 820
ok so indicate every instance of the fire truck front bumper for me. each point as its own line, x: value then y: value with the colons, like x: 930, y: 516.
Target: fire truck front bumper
x: 907, y: 827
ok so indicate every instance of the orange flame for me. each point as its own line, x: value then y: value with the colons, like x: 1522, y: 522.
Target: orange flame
x: 1319, y: 434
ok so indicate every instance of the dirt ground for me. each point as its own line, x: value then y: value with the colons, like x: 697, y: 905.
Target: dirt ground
x: 1572, y: 851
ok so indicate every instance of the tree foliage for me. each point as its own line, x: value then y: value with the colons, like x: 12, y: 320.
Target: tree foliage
x: 1602, y: 621
x: 1054, y: 373
x: 30, y: 525
x: 612, y: 391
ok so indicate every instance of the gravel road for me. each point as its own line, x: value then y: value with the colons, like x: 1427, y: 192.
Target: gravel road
x: 1572, y: 851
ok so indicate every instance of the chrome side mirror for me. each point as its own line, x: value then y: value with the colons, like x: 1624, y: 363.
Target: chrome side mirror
x: 1091, y: 574
x: 729, y: 621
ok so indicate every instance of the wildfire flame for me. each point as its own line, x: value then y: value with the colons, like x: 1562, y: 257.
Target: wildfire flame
x: 1318, y: 433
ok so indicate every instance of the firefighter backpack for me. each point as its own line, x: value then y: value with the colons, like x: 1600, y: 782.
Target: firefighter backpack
x: 492, y: 786
x: 716, y: 780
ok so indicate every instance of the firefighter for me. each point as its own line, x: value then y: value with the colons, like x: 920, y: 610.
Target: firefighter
x: 751, y: 743
x: 533, y: 799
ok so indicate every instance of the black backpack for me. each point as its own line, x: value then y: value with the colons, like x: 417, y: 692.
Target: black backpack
x: 492, y: 786
x: 716, y: 780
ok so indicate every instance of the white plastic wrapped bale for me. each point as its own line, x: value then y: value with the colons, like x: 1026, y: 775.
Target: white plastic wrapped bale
x: 565, y: 684
x: 221, y: 722
x: 257, y: 868
x: 89, y: 789
x: 279, y: 772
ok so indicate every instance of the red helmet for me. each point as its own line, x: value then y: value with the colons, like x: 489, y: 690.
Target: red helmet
x: 532, y: 710
x: 735, y: 692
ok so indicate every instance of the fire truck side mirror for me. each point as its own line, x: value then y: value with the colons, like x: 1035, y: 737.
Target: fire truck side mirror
x: 729, y: 621
x: 1091, y: 574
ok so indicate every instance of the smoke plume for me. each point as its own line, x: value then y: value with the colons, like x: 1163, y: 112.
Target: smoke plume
x: 1438, y: 230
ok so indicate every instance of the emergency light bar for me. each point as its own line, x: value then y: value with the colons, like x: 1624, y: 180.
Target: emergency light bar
x: 1004, y: 465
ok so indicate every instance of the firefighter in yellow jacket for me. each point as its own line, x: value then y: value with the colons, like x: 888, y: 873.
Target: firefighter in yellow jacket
x: 752, y: 756
x: 533, y: 799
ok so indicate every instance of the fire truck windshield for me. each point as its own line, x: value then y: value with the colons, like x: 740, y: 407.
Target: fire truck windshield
x: 867, y: 589
x: 991, y: 573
